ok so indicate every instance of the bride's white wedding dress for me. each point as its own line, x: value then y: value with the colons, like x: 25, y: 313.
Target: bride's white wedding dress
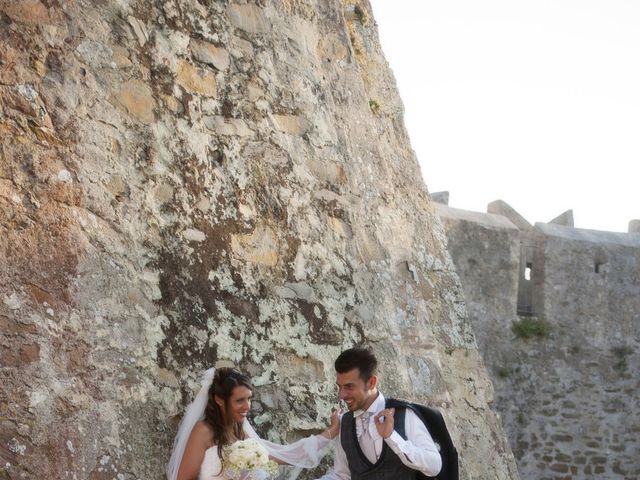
x: 211, y: 468
x: 306, y: 453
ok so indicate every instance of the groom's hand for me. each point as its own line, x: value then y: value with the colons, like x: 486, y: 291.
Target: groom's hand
x: 334, y: 427
x: 384, y: 422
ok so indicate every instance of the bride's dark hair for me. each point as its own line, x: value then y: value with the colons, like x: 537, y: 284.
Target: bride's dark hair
x: 225, y: 430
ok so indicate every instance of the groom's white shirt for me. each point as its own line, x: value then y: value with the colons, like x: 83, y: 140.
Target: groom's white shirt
x: 418, y: 451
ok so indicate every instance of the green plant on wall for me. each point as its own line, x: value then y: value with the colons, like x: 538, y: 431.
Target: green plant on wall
x: 361, y: 14
x: 374, y: 106
x: 531, y: 327
x: 620, y: 354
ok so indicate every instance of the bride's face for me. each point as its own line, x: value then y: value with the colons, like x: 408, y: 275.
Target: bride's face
x: 239, y: 403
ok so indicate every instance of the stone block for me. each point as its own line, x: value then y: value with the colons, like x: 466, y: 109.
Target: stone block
x: 559, y: 467
x: 29, y: 353
x: 196, y: 80
x: 258, y: 247
x: 228, y: 126
x: 240, y: 47
x: 291, y: 124
x: 208, y: 53
x: 333, y: 48
x: 194, y: 235
x: 136, y: 98
x: 139, y: 29
x: 249, y: 17
x: 31, y: 12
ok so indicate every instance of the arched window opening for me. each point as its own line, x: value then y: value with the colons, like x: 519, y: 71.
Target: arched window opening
x: 527, y: 271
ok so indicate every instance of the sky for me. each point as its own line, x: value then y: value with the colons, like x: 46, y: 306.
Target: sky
x: 536, y: 103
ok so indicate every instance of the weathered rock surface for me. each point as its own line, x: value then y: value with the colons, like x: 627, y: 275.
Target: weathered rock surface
x: 189, y: 182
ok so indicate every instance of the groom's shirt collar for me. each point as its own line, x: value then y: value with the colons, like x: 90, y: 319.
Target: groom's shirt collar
x: 375, y: 407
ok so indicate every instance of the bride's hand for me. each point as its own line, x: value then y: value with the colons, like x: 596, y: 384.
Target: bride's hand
x: 334, y: 426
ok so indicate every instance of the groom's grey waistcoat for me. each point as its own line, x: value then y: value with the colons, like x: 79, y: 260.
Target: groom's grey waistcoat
x: 389, y: 466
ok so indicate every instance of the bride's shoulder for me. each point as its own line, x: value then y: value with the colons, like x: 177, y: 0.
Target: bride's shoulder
x: 202, y: 432
x: 202, y: 425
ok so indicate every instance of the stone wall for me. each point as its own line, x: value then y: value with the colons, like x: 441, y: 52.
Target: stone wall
x: 568, y: 399
x: 486, y: 249
x: 578, y: 414
x: 184, y: 183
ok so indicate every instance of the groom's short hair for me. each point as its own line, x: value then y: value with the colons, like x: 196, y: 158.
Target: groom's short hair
x: 357, y: 357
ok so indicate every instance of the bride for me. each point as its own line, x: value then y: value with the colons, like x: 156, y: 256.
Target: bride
x: 218, y: 417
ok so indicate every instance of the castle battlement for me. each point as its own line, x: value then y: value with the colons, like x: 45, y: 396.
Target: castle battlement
x: 502, y: 208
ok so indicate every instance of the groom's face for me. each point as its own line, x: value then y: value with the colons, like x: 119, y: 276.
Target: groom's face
x: 356, y: 392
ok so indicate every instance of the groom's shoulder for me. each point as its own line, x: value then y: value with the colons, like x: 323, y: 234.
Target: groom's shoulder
x: 427, y: 413
x: 431, y: 417
x: 435, y: 425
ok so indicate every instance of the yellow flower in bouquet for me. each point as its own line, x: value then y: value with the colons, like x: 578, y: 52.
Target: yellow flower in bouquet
x: 247, y: 460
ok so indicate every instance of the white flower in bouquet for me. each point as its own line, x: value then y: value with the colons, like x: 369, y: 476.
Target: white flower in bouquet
x: 247, y: 460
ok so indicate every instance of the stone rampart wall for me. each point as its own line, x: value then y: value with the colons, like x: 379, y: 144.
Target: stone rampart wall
x: 569, y: 398
x: 486, y: 251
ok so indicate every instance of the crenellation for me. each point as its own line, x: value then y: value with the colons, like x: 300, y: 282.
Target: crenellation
x: 500, y: 207
x: 565, y: 218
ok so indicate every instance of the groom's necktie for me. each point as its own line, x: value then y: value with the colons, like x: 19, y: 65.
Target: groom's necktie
x: 367, y: 443
x: 362, y: 427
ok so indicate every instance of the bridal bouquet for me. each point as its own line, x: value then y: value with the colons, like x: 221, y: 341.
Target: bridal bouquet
x: 247, y: 460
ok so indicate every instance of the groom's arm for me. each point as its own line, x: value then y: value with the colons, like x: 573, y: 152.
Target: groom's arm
x: 418, y: 451
x: 340, y: 470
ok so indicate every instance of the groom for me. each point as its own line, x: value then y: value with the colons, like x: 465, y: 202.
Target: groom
x: 377, y: 443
